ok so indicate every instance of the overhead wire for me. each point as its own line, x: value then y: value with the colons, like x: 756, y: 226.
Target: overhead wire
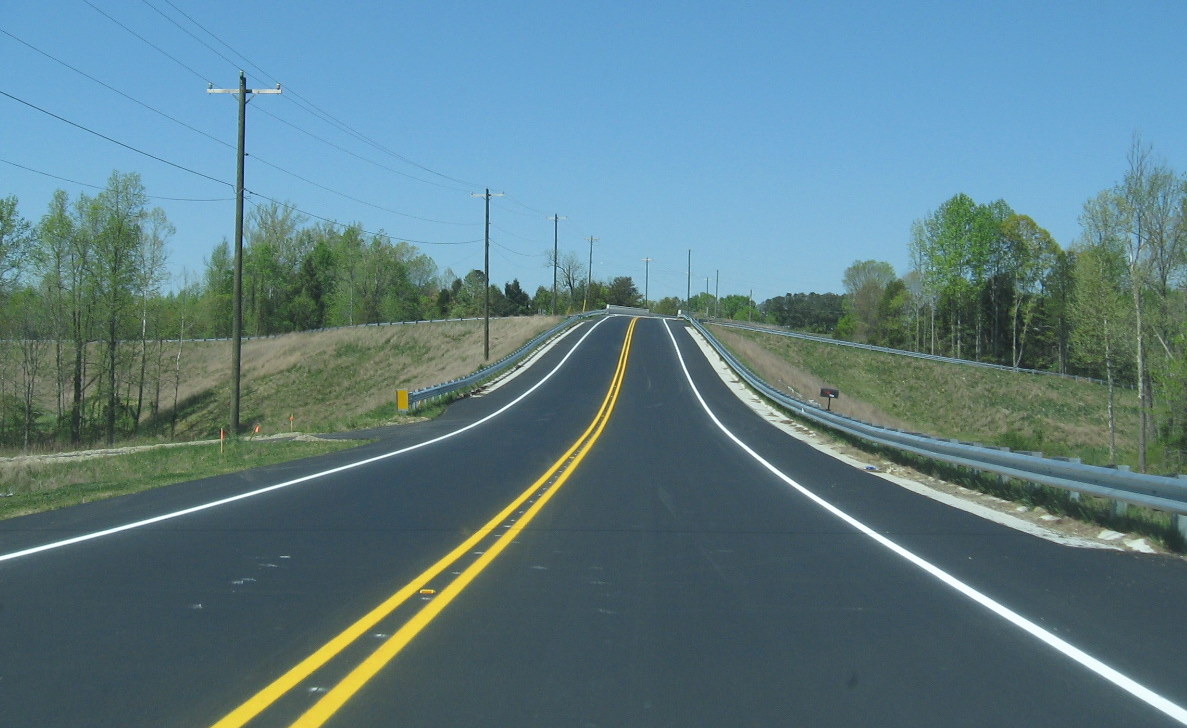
x: 115, y: 90
x: 335, y: 223
x: 512, y: 250
x: 300, y: 101
x: 187, y: 32
x: 232, y: 146
x: 115, y: 141
x: 309, y: 105
x: 100, y: 187
x: 152, y: 45
x: 257, y: 158
x: 517, y: 235
x: 352, y: 198
x: 516, y: 200
x: 342, y: 149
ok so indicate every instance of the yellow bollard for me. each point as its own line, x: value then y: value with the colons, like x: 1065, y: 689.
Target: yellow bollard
x: 402, y: 400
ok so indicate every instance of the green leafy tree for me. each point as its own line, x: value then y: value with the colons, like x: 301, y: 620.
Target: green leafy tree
x: 1102, y: 333
x: 119, y: 212
x: 622, y: 292
x: 1033, y: 255
x: 865, y: 282
x: 518, y: 301
x: 16, y: 239
x: 667, y: 306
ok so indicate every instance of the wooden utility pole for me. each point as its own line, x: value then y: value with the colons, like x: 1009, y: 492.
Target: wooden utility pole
x: 237, y: 291
x: 588, y: 274
x: 688, y: 286
x: 555, y: 262
x: 646, y: 277
x: 486, y: 272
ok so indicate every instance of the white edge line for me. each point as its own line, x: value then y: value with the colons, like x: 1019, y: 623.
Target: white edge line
x: 267, y: 489
x: 1069, y: 650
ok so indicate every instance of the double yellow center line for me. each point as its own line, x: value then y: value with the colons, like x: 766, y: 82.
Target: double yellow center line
x: 498, y: 531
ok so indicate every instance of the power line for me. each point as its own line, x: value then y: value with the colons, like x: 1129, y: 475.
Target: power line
x: 337, y: 224
x: 516, y: 235
x: 536, y: 214
x: 517, y: 201
x: 111, y: 88
x: 296, y: 98
x: 526, y: 255
x: 152, y: 45
x: 179, y: 27
x: 218, y: 40
x: 114, y: 141
x: 100, y: 187
x: 344, y: 150
x: 305, y: 103
x: 351, y: 197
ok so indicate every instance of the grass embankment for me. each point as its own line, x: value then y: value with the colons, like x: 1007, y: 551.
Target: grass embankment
x: 326, y: 381
x: 330, y: 381
x: 1053, y: 415
x: 31, y: 485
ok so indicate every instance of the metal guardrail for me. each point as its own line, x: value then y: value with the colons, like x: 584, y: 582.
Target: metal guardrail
x: 1161, y: 492
x: 470, y: 381
x: 899, y: 352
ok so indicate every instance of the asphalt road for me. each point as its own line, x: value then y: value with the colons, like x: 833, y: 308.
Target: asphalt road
x: 662, y: 575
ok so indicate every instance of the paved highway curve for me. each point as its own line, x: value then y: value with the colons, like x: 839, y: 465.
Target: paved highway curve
x: 623, y: 543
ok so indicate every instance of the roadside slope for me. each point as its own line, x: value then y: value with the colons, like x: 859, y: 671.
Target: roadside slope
x: 337, y: 379
x: 1023, y: 411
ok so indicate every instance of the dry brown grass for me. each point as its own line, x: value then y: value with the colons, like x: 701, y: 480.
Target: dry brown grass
x: 328, y: 379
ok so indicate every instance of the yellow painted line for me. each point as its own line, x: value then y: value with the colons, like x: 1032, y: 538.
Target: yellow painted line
x: 266, y: 697
x: 352, y: 683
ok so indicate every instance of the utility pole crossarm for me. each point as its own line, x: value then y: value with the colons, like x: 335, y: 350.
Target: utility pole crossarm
x: 213, y: 90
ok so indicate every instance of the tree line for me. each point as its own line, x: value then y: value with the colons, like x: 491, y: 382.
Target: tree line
x: 988, y: 283
x: 93, y: 331
x: 95, y: 334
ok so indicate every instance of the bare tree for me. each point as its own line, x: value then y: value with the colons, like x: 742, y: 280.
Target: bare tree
x: 570, y: 270
x: 1136, y: 197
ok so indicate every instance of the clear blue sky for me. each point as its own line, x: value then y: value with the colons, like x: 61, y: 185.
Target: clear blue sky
x: 779, y: 141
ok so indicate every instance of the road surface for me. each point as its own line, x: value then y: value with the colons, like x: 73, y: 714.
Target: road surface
x: 611, y: 538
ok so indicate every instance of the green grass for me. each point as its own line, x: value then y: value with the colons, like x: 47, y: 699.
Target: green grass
x: 329, y: 381
x: 1053, y: 415
x: 42, y: 485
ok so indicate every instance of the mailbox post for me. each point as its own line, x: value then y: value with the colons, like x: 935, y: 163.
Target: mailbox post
x: 829, y: 394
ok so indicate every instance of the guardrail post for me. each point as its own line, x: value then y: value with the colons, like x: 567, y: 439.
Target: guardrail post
x: 1032, y: 488
x: 1121, y: 508
x: 1072, y: 495
x: 1179, y: 520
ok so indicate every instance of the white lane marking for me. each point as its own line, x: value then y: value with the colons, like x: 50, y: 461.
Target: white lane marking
x: 1065, y: 648
x: 779, y: 420
x: 267, y: 489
